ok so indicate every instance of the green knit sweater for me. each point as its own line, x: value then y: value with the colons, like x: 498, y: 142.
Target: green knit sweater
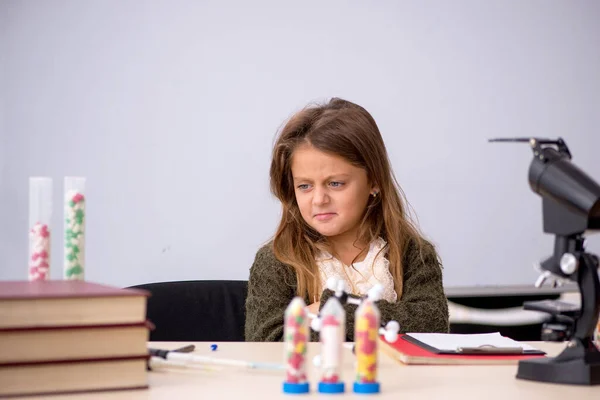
x: 272, y: 285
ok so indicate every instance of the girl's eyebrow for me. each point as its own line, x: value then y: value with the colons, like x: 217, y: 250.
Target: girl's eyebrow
x: 299, y: 178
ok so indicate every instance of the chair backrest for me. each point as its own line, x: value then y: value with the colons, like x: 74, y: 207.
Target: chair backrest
x: 197, y: 310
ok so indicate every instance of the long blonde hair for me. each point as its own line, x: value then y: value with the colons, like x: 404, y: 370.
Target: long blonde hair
x: 345, y: 129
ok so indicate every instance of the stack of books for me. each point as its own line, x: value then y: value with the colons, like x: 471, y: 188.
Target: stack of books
x: 71, y: 336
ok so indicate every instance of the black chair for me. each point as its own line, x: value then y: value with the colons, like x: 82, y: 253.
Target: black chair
x: 196, y: 310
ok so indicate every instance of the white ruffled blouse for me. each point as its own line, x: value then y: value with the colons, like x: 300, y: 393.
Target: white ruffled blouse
x: 363, y: 275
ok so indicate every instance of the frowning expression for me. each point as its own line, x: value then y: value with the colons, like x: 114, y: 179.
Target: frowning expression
x: 331, y: 193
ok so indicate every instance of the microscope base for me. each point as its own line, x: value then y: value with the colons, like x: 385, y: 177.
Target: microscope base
x: 574, y: 372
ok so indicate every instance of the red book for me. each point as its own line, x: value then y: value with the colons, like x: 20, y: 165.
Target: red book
x: 407, y: 352
x: 25, y: 304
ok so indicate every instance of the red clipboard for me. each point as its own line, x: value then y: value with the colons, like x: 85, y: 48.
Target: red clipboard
x: 406, y: 352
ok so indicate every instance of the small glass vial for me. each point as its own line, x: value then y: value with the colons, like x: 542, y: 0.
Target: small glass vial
x: 296, y: 337
x: 40, y: 216
x: 332, y: 336
x: 366, y: 337
x: 74, y: 228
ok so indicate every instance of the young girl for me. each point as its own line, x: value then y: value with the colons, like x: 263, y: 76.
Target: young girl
x: 343, y: 216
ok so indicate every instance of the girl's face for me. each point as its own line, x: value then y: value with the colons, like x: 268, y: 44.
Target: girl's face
x: 332, y: 194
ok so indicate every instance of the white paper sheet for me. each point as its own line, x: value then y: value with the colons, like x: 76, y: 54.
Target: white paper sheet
x: 450, y: 342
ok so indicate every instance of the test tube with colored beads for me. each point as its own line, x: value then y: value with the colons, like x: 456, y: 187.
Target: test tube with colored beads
x: 332, y: 335
x: 74, y: 228
x: 40, y: 214
x: 295, y: 335
x: 366, y: 335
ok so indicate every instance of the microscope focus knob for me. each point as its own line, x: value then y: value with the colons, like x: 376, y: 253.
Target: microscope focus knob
x: 568, y: 263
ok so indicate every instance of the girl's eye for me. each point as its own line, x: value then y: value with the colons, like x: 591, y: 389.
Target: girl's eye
x: 336, y: 184
x: 304, y: 186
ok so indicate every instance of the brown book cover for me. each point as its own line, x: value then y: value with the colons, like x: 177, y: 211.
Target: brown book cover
x: 37, y: 344
x: 61, y: 302
x: 22, y: 379
x: 53, y: 289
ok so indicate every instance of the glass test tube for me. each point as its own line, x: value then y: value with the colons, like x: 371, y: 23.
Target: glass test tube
x: 332, y: 336
x: 295, y: 336
x: 74, y: 228
x: 40, y: 215
x: 366, y: 336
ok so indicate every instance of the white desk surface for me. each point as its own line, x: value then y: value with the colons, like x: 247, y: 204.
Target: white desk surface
x: 397, y: 381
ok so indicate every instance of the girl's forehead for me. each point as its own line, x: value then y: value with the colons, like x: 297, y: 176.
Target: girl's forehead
x: 311, y: 163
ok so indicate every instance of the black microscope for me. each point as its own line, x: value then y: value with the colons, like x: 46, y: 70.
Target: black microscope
x: 571, y: 207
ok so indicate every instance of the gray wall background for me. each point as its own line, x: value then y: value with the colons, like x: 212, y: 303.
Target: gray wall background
x: 170, y: 109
